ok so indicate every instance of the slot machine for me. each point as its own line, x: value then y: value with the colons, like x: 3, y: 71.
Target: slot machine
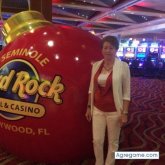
x: 129, y: 54
x: 120, y: 53
x: 162, y: 54
x: 154, y: 53
x: 141, y: 55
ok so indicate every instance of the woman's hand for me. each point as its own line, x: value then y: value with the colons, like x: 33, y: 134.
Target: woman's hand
x: 123, y: 119
x: 88, y: 114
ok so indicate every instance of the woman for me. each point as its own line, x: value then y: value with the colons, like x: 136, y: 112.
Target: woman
x: 109, y: 98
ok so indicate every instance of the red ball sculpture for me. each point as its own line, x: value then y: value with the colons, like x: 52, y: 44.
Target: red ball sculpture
x: 44, y: 79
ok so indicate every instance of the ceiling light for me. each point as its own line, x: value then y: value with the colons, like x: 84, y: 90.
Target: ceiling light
x: 92, y: 31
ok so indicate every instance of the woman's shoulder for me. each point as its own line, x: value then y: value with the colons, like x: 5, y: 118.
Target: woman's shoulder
x: 125, y: 64
x: 122, y: 62
x: 95, y: 63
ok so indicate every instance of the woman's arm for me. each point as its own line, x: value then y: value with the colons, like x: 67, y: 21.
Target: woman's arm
x: 126, y: 94
x: 88, y: 112
x: 125, y: 106
x: 126, y: 82
x: 124, y: 114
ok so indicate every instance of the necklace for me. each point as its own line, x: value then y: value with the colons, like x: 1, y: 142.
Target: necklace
x: 108, y: 69
x: 108, y: 66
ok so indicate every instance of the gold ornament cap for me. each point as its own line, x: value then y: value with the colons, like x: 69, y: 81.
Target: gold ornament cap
x: 26, y: 21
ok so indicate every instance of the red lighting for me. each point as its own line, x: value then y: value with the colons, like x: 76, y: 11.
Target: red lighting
x: 88, y: 25
x: 56, y: 1
x: 132, y: 8
x: 103, y: 19
x: 144, y: 4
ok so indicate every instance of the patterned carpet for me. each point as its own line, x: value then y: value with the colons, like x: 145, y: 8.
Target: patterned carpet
x: 145, y: 130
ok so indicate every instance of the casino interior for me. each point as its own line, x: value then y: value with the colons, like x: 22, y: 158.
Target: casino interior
x: 139, y: 26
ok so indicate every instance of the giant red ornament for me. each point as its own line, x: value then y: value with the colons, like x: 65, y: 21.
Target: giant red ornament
x: 44, y: 79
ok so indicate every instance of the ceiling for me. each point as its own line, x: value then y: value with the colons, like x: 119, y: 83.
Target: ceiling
x: 122, y: 18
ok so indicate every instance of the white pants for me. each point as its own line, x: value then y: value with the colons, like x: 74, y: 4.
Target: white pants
x: 101, y: 121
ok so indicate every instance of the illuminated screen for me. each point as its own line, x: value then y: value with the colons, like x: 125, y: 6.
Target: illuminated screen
x: 129, y: 55
x: 141, y: 49
x: 130, y: 52
x: 140, y: 55
x: 130, y: 49
x: 162, y: 56
x: 154, y: 49
x: 163, y: 50
x: 120, y: 49
x: 163, y: 53
x: 120, y: 52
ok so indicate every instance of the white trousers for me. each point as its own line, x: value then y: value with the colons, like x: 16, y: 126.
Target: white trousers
x: 101, y: 121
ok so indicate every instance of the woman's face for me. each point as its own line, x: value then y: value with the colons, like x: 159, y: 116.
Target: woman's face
x: 108, y: 51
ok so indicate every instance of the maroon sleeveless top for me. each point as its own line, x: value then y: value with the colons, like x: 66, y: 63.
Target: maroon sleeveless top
x: 103, y: 96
